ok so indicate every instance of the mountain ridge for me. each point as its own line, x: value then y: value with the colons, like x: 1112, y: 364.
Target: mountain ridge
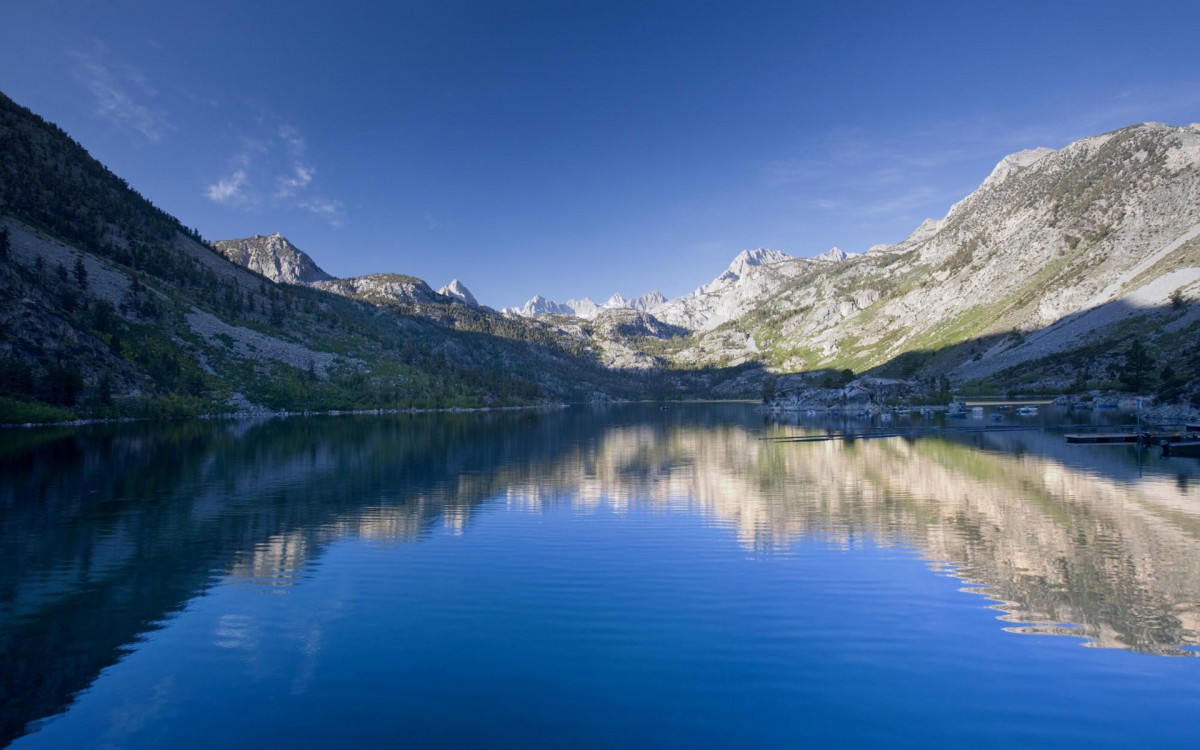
x: 1047, y: 272
x: 585, y: 308
x: 111, y: 307
x: 1040, y: 240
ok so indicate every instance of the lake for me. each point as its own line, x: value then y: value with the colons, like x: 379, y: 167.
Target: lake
x: 623, y: 576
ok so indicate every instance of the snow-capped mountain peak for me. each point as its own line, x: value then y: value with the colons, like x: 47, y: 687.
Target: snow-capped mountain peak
x: 585, y: 308
x: 457, y: 290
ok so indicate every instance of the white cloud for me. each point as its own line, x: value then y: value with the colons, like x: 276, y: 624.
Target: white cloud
x: 229, y: 189
x: 331, y: 211
x: 272, y: 170
x: 122, y: 95
x: 292, y: 139
x: 298, y: 180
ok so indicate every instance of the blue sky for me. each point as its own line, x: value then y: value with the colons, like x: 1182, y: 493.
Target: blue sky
x: 582, y: 148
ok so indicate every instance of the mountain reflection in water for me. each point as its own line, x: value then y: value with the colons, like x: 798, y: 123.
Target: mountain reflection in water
x: 106, y: 531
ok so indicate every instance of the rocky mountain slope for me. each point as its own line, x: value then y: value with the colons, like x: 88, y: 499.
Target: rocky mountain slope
x: 1057, y: 264
x: 276, y: 258
x: 752, y: 276
x: 1047, y: 272
x: 109, y: 307
x: 273, y: 257
x: 1067, y: 255
x: 1060, y: 258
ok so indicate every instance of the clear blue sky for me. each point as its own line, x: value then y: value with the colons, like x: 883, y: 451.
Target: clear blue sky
x: 582, y: 148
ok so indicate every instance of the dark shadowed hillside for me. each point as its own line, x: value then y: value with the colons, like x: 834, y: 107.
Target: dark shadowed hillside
x: 110, y: 306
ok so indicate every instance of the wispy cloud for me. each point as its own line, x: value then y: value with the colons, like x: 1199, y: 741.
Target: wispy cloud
x: 273, y: 169
x: 331, y: 211
x: 123, y: 95
x: 912, y: 198
x: 302, y: 174
x: 878, y: 178
x: 228, y: 190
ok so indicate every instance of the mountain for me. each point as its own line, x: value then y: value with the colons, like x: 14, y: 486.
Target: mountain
x: 273, y: 257
x: 646, y: 303
x: 1047, y: 272
x: 539, y: 306
x: 383, y: 289
x: 457, y: 290
x: 111, y: 307
x: 1059, y: 271
x: 751, y: 277
x: 835, y: 255
x: 282, y: 262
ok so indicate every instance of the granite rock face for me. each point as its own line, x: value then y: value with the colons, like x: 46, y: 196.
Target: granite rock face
x: 274, y: 257
x: 1052, y: 251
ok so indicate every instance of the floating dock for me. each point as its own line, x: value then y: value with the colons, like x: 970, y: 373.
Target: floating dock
x: 1145, y: 438
x: 1181, y: 448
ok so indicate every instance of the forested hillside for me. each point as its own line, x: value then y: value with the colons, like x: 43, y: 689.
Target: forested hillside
x: 109, y: 306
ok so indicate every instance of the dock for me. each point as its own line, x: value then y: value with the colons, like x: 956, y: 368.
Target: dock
x: 1132, y: 437
x: 1112, y: 437
x: 1181, y: 448
x: 1145, y: 438
x: 910, y: 433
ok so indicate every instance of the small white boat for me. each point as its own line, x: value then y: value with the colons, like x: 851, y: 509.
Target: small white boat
x: 1027, y: 411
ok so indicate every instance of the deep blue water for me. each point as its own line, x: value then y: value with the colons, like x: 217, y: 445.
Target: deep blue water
x: 621, y: 577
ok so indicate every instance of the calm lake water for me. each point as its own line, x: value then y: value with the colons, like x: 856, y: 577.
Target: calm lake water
x: 617, y: 577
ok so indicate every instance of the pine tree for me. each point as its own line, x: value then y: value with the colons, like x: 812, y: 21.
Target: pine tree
x: 81, y: 274
x: 1138, y: 363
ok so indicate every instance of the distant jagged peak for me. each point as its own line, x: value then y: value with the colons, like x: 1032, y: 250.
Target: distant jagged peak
x: 614, y: 302
x: 647, y: 302
x: 834, y: 255
x: 458, y: 290
x: 538, y: 306
x: 585, y: 308
x: 273, y: 256
x: 748, y: 259
x: 758, y: 257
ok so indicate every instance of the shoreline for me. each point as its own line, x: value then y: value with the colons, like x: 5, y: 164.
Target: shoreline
x: 266, y: 413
